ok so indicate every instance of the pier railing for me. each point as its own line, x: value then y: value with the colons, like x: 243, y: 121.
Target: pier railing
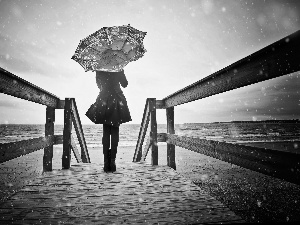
x: 278, y: 59
x: 13, y: 85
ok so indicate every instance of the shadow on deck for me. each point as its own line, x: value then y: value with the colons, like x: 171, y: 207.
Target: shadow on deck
x: 136, y: 193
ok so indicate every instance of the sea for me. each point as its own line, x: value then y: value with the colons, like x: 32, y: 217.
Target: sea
x: 232, y: 132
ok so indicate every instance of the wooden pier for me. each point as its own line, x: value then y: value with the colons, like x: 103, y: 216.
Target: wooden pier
x: 138, y: 193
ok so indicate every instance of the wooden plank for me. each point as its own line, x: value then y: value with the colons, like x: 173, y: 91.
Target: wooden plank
x: 277, y: 59
x: 143, y: 129
x: 171, y: 130
x: 75, y: 150
x: 283, y: 165
x: 13, y: 150
x: 137, y: 193
x: 13, y: 85
x: 146, y: 148
x: 79, y: 131
x: 153, y: 132
x: 49, y: 130
x: 66, y: 157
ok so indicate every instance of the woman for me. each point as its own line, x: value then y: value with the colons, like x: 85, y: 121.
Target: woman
x: 110, y: 109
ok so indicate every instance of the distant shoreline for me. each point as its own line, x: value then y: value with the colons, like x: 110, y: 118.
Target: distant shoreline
x: 234, y: 121
x: 257, y: 121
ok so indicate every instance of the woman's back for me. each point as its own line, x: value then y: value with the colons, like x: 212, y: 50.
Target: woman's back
x: 110, y: 81
x: 111, y: 105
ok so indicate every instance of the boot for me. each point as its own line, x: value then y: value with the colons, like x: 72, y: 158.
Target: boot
x: 106, y: 167
x: 113, y: 154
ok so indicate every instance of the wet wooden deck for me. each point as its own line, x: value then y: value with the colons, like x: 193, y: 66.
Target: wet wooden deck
x: 136, y: 194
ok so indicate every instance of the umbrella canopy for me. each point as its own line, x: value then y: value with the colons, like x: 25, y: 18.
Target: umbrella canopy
x: 110, y: 48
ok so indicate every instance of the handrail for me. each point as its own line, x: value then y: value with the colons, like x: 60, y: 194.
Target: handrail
x: 13, y: 150
x: 283, y: 165
x: 13, y: 85
x: 278, y: 59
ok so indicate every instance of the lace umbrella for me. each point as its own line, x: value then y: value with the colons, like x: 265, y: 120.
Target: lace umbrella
x: 110, y: 48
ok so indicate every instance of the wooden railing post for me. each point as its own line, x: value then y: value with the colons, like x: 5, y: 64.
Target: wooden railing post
x: 66, y: 157
x: 170, y: 130
x: 49, y: 130
x: 153, y: 132
x: 79, y: 131
x: 144, y: 126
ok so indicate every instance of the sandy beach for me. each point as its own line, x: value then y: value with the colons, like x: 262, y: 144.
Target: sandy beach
x: 253, y: 196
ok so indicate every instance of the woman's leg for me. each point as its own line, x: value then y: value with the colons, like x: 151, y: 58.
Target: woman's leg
x: 114, y: 137
x: 114, y: 146
x: 106, y: 145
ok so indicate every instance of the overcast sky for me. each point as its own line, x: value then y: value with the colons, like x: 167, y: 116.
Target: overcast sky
x: 186, y: 41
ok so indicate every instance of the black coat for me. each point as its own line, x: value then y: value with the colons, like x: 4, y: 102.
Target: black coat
x: 111, y: 105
